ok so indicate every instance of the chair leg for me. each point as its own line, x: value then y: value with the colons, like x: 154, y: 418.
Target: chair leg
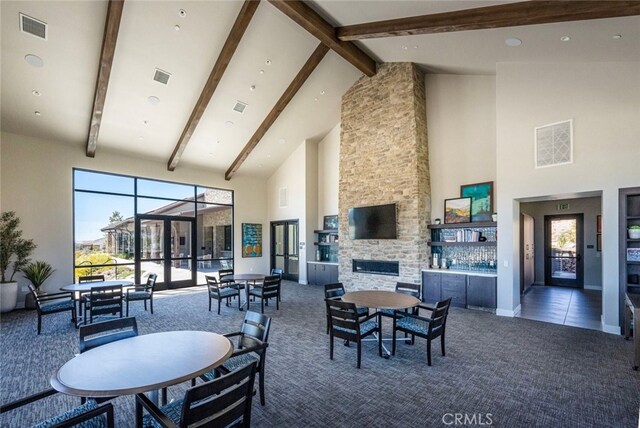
x: 261, y: 387
x: 209, y: 303
x: 442, y: 343
x: 429, y: 352
x: 331, y: 346
x: 39, y: 323
x: 219, y: 301
x: 359, y: 352
x: 127, y: 308
x: 393, y: 341
x: 138, y: 414
x: 239, y: 304
x: 262, y: 306
x: 145, y: 304
x: 277, y: 304
x: 379, y: 341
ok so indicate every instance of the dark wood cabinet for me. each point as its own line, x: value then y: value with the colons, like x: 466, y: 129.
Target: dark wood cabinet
x: 454, y: 286
x: 431, y: 287
x: 482, y: 291
x: 321, y: 273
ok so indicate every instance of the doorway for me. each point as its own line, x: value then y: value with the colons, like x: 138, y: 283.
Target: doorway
x: 284, y: 248
x: 165, y: 245
x: 563, y: 250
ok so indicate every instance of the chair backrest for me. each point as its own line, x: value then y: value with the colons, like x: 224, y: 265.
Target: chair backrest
x: 36, y: 294
x: 255, y: 325
x: 271, y: 284
x: 151, y: 280
x: 439, y: 315
x: 225, y: 272
x: 343, y: 315
x: 408, y: 288
x: 212, y: 284
x: 221, y: 402
x: 104, y: 332
x: 277, y: 271
x: 103, y: 299
x: 334, y: 290
x: 90, y: 278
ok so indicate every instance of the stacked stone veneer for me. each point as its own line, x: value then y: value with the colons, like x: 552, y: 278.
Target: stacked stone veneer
x: 384, y: 159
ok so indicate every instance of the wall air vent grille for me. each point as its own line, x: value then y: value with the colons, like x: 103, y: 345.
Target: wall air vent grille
x: 161, y: 76
x: 33, y: 26
x: 283, y: 198
x: 240, y: 106
x: 554, y: 144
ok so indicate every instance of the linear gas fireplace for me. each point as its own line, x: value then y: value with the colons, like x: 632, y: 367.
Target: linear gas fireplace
x: 379, y: 267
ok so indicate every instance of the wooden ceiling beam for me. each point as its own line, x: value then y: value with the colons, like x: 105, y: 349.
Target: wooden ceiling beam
x: 284, y: 100
x: 111, y: 27
x: 311, y: 21
x: 230, y: 45
x: 504, y: 15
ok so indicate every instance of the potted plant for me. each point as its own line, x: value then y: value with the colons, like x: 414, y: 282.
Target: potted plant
x: 37, y: 273
x: 14, y: 257
x: 634, y: 231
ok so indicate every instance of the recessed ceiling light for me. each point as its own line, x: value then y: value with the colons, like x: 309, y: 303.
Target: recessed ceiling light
x: 315, y: 99
x: 176, y: 27
x: 268, y: 62
x: 153, y: 100
x: 415, y: 46
x: 268, y: 156
x: 512, y: 41
x: 565, y: 38
x: 36, y: 93
x: 34, y: 60
x: 261, y: 71
x: 217, y: 141
x: 322, y: 92
x: 228, y: 124
x: 37, y: 113
x: 146, y: 122
x: 404, y: 48
x: 252, y: 87
x: 182, y: 13
x: 617, y: 36
x: 282, y: 141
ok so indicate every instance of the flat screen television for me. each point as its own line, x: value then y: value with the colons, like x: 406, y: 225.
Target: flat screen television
x: 374, y: 222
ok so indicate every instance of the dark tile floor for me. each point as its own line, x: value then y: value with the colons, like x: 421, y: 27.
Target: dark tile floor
x: 559, y: 305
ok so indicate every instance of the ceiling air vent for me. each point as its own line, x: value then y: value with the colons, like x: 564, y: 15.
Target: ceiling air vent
x: 554, y: 144
x: 33, y: 26
x: 161, y: 76
x: 240, y: 106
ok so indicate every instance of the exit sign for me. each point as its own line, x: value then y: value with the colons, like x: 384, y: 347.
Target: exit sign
x: 563, y: 207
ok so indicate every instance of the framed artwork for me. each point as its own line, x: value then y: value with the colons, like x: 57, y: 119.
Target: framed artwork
x: 457, y: 210
x: 330, y: 222
x: 481, y: 195
x: 633, y: 254
x: 251, y: 240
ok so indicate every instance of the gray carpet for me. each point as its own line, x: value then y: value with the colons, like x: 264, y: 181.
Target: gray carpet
x: 523, y: 373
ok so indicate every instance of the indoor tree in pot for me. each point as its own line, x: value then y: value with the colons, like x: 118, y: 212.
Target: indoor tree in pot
x: 14, y: 257
x: 37, y: 273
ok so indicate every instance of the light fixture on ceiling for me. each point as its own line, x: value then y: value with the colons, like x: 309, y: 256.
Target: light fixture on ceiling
x: 252, y: 87
x: 268, y: 62
x: 565, y: 38
x: 315, y: 99
x: 176, y: 27
x: 240, y: 107
x: 617, y: 36
x: 37, y: 113
x: 217, y: 141
x: 36, y: 93
x: 415, y: 46
x: 182, y: 13
x: 34, y: 60
x: 512, y: 42
x: 261, y: 71
x: 228, y: 124
x: 268, y: 156
x: 404, y: 48
x: 282, y: 141
x: 146, y: 122
x: 323, y: 92
x: 153, y: 100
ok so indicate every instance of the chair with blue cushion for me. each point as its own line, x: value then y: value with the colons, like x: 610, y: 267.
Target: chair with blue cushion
x: 87, y: 415
x: 279, y: 272
x: 104, y: 332
x: 269, y: 289
x: 218, y: 292
x: 103, y: 301
x: 142, y: 292
x: 253, y: 340
x: 51, y: 303
x: 345, y: 323
x: 222, y: 402
x: 428, y: 328
x: 404, y: 288
x: 335, y: 291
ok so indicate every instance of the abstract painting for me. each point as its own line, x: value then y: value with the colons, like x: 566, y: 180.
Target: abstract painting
x: 251, y: 240
x: 457, y: 210
x: 481, y: 195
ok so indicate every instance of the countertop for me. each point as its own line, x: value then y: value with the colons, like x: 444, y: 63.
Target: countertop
x: 325, y: 263
x: 463, y: 272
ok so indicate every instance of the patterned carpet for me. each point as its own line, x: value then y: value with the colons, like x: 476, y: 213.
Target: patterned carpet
x: 504, y: 372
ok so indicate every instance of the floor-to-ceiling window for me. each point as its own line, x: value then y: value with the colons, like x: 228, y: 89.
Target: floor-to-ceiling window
x: 128, y: 227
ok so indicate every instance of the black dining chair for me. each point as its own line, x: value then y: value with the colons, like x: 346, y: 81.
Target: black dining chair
x: 335, y: 291
x: 101, y: 333
x: 269, y: 289
x: 345, y: 323
x: 90, y: 278
x: 279, y: 272
x: 51, y: 303
x: 142, y: 292
x: 428, y: 328
x: 222, y: 402
x: 218, y: 292
x: 89, y: 414
x: 252, y: 343
x: 404, y: 288
x: 224, y: 276
x: 103, y: 301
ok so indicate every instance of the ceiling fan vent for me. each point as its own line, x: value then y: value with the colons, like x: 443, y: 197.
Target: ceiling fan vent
x: 240, y: 106
x: 161, y: 76
x: 33, y: 26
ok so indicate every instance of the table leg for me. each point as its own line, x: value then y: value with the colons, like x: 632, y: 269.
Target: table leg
x: 636, y: 338
x: 246, y: 294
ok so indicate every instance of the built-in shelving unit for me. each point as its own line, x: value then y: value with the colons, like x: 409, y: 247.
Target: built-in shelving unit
x: 629, y: 268
x: 327, y: 245
x: 465, y: 246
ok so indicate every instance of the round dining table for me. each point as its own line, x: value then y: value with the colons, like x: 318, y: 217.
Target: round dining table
x: 246, y: 277
x: 142, y: 363
x: 381, y: 299
x: 86, y: 287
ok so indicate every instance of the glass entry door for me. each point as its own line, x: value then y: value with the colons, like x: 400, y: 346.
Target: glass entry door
x: 165, y: 245
x: 284, y: 248
x: 563, y: 250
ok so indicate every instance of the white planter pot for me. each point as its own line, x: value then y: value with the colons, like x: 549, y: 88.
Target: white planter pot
x: 634, y: 233
x: 8, y: 296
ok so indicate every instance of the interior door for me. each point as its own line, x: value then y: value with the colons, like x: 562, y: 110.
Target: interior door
x: 284, y: 248
x: 166, y: 247
x: 527, y: 253
x: 563, y: 250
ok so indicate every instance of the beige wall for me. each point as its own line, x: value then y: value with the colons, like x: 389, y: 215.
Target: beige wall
x: 461, y: 124
x: 36, y: 183
x: 328, y: 164
x: 603, y: 99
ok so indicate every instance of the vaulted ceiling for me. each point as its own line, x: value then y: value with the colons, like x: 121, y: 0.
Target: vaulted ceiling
x: 270, y: 59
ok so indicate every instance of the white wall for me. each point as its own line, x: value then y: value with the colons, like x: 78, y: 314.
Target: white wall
x: 461, y: 124
x: 590, y: 207
x: 603, y: 99
x: 328, y: 174
x: 36, y: 179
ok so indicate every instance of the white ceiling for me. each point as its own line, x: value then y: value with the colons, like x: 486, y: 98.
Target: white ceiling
x: 147, y: 40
